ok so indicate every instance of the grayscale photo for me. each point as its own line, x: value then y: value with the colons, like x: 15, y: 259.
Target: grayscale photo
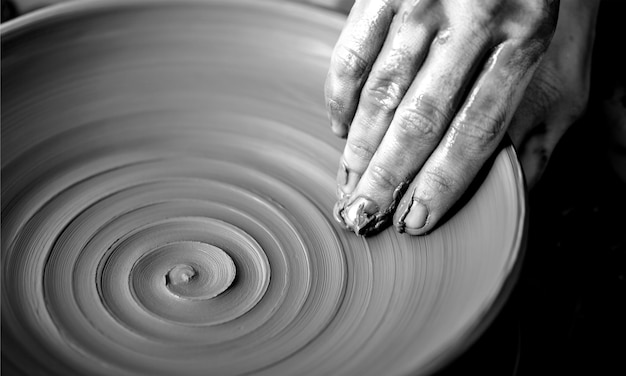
x: 313, y: 187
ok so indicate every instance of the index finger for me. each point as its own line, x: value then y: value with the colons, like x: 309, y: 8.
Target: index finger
x: 352, y: 59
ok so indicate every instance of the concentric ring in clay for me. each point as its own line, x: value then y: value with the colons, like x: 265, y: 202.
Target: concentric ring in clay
x: 168, y: 179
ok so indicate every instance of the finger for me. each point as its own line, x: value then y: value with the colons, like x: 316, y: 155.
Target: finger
x: 393, y: 72
x: 416, y: 128
x: 470, y: 140
x: 353, y: 56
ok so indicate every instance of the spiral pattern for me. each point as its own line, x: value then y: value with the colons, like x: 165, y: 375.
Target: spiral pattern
x: 167, y: 194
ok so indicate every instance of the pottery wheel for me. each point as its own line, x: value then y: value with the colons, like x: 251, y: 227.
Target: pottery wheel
x: 168, y: 179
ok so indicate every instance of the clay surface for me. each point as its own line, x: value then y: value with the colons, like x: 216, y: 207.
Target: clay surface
x: 168, y: 181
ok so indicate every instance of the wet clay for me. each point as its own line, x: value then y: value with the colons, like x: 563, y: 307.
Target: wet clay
x: 168, y: 182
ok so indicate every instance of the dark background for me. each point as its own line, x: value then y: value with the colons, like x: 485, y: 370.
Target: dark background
x: 567, y: 313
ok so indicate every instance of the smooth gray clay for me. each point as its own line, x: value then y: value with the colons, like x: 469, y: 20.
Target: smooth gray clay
x: 168, y: 182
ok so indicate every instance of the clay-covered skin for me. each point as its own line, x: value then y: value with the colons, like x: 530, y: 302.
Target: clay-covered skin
x: 424, y: 91
x: 168, y: 183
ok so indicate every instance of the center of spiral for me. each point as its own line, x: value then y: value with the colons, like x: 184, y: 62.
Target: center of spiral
x: 198, y: 270
x: 180, y: 274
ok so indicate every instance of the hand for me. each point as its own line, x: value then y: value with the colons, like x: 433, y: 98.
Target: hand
x: 425, y: 91
x: 558, y: 93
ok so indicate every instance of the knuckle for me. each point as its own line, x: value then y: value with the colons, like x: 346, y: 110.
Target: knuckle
x: 539, y: 20
x: 336, y: 102
x: 547, y: 10
x: 384, y: 92
x: 335, y: 106
x: 530, y: 20
x: 348, y: 63
x: 361, y: 149
x: 423, y: 120
x: 383, y: 176
x: 480, y: 128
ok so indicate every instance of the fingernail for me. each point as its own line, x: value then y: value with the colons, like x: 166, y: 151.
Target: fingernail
x: 416, y: 217
x: 413, y: 217
x: 346, y: 181
x: 360, y: 214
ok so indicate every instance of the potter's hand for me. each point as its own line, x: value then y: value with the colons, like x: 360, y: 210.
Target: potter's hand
x: 426, y: 90
x: 557, y: 95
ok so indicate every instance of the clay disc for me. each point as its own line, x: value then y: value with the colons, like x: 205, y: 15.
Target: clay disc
x: 168, y: 179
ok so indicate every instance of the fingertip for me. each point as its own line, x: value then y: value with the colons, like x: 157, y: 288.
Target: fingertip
x: 412, y: 218
x: 419, y: 209
x: 339, y: 129
x: 416, y: 232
